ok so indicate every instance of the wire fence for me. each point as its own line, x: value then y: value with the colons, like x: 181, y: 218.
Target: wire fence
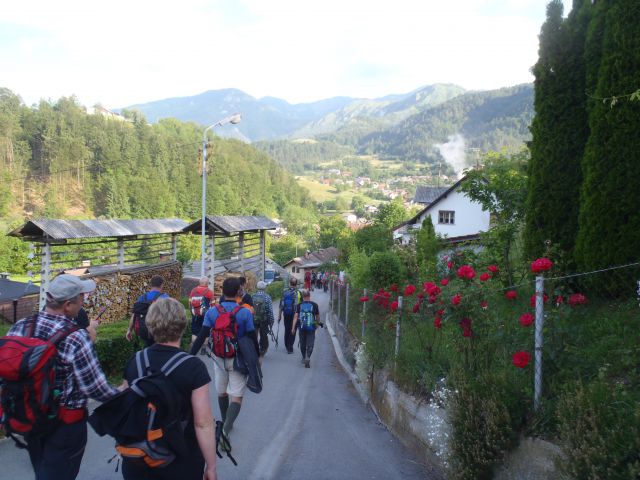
x: 557, y: 328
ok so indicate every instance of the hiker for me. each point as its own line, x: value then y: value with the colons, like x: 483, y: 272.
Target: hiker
x: 307, y: 280
x: 325, y: 281
x: 200, y: 300
x: 308, y: 316
x: 166, y: 321
x: 314, y: 279
x: 140, y: 308
x: 230, y: 384
x: 262, y: 316
x: 56, y: 452
x: 243, y: 297
x: 290, y: 298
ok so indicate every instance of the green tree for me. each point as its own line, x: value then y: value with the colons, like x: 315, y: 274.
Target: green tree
x: 609, y: 231
x: 385, y: 269
x: 501, y: 188
x: 332, y: 230
x: 559, y: 131
x: 427, y: 247
x: 391, y: 214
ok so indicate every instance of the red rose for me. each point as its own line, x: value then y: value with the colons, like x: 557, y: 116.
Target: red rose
x: 456, y: 299
x: 394, y: 306
x: 484, y: 277
x: 484, y: 305
x: 450, y: 265
x: 432, y: 299
x: 526, y: 319
x: 577, y: 299
x: 444, y: 282
x: 532, y: 300
x: 364, y: 299
x: 416, y: 307
x: 521, y: 359
x: 541, y: 265
x: 386, y: 294
x: 511, y: 294
x: 393, y: 288
x: 559, y: 300
x: 440, y: 312
x: 465, y: 324
x: 408, y: 290
x: 420, y: 295
x: 493, y: 269
x: 466, y: 272
x: 467, y: 332
x: 437, y: 322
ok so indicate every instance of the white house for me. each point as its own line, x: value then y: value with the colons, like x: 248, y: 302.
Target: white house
x: 455, y: 217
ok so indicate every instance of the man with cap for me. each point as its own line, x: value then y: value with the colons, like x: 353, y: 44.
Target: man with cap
x: 262, y: 316
x: 79, y: 376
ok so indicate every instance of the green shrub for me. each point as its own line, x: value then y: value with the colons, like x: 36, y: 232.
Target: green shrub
x: 484, y: 419
x: 385, y: 269
x: 275, y: 289
x: 599, y: 427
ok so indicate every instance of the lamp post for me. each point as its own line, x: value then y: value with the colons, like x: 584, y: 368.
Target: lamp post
x: 233, y: 119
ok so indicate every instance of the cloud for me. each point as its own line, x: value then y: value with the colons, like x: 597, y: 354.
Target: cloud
x: 124, y: 52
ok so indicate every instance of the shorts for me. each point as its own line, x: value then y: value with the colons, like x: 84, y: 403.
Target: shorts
x: 227, y: 379
x: 196, y: 324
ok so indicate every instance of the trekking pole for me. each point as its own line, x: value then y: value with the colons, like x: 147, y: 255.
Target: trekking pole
x: 277, y: 333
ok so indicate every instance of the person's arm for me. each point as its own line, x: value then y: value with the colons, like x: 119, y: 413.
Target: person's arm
x: 316, y: 312
x: 129, y: 334
x: 204, y: 424
x: 87, y: 371
x: 205, y: 331
x: 295, y: 322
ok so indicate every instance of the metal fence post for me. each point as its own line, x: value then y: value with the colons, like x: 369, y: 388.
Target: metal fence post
x: 398, y: 326
x: 339, y: 301
x: 537, y: 387
x: 346, y: 305
x: 364, y: 313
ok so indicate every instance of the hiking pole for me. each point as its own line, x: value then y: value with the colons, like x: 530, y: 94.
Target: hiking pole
x: 277, y: 334
x: 221, y: 436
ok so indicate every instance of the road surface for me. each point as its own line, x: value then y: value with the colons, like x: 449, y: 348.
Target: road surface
x: 306, y: 424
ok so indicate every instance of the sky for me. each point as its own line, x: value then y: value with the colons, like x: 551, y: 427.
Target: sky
x: 119, y: 53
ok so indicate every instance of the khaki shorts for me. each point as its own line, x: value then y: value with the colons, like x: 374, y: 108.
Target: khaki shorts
x: 227, y: 379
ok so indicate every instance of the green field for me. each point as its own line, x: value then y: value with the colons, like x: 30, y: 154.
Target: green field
x: 322, y: 193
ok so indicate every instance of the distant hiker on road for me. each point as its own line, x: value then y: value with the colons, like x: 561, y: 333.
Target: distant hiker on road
x: 166, y: 321
x: 314, y: 279
x: 290, y: 299
x: 307, y: 280
x: 308, y: 318
x: 200, y: 300
x: 262, y: 316
x: 55, y: 445
x: 226, y: 323
x: 140, y: 308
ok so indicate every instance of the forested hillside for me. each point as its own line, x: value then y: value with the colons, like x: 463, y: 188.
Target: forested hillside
x: 489, y: 120
x: 58, y: 161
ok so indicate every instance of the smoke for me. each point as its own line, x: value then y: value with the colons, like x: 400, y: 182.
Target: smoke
x: 453, y: 152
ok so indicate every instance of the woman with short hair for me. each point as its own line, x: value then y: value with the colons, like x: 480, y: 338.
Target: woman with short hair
x: 166, y: 321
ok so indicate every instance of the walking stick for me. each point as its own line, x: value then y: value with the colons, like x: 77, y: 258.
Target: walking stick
x: 277, y: 334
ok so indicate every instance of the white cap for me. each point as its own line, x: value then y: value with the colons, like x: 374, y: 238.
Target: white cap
x: 261, y: 285
x: 65, y: 287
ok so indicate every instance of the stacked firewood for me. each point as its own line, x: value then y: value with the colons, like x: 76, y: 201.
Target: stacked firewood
x: 251, y: 277
x: 118, y: 290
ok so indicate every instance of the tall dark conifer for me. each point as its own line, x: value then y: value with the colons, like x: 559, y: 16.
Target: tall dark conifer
x: 560, y: 132
x: 610, y: 203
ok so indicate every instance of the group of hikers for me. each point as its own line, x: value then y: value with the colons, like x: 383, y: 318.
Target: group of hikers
x: 161, y: 415
x: 319, y: 280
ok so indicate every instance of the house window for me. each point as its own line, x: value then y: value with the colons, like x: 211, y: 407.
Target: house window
x: 447, y: 217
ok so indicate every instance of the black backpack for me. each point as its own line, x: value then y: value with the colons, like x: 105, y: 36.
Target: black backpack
x: 140, y: 309
x: 145, y: 418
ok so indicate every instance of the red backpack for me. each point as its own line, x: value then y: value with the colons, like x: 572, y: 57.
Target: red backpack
x: 28, y: 401
x: 225, y: 333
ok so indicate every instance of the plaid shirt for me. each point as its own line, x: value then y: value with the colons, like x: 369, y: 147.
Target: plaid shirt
x: 78, y: 372
x: 268, y: 304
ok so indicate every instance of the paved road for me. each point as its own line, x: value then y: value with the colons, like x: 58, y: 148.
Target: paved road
x: 306, y: 424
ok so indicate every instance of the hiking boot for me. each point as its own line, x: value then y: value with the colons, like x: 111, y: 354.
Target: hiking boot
x: 289, y: 351
x: 307, y: 363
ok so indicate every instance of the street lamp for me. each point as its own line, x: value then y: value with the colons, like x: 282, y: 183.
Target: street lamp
x: 233, y: 119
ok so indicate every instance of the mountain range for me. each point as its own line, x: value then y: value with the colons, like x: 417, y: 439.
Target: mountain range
x: 404, y: 126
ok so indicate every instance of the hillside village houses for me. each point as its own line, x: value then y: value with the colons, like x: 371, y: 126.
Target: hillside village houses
x: 455, y: 216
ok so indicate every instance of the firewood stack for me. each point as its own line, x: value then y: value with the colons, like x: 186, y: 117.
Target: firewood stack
x: 118, y: 290
x: 252, y: 281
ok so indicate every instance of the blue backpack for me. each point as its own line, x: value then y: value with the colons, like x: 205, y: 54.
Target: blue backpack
x: 306, y: 317
x: 289, y: 301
